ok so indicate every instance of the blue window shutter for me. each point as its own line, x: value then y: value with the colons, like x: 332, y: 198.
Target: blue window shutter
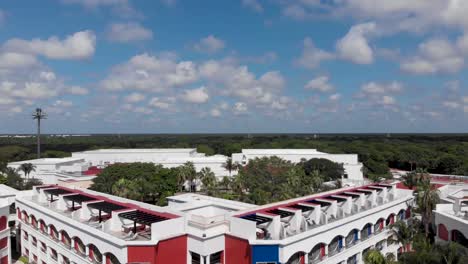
x: 369, y: 231
x: 340, y: 243
x: 355, y: 235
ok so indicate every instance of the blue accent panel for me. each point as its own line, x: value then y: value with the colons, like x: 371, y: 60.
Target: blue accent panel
x: 355, y: 235
x: 369, y: 230
x: 265, y: 253
x: 340, y: 243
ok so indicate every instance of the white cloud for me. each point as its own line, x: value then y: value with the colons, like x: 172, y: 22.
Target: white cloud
x: 240, y: 108
x: 434, y: 56
x: 210, y: 44
x: 12, y: 60
x: 253, y: 4
x: 63, y: 103
x: 354, y: 45
x: 80, y: 45
x: 134, y: 98
x: 47, y: 76
x: 150, y: 73
x: 379, y: 88
x: 163, y: 103
x: 196, y: 96
x: 128, y: 32
x: 451, y: 104
x: 311, y: 56
x: 391, y: 16
x: 77, y: 90
x: 215, y: 112
x: 334, y: 97
x: 321, y: 84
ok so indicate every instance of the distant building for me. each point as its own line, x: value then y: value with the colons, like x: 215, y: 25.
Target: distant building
x: 351, y: 164
x: 79, y: 169
x: 63, y: 225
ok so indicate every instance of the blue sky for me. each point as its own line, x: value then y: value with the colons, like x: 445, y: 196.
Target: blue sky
x: 175, y: 66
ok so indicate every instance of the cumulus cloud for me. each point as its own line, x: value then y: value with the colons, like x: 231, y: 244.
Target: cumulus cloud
x: 434, y: 56
x: 77, y: 90
x: 150, y: 73
x: 210, y: 44
x: 391, y: 16
x: 354, y: 45
x: 80, y: 45
x: 166, y: 103
x: 311, y: 56
x: 320, y: 84
x: 11, y: 60
x: 196, y: 96
x: 128, y: 32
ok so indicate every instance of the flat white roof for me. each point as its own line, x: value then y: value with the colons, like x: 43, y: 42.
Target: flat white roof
x: 192, y: 200
x: 280, y: 151
x: 46, y: 161
x: 152, y: 150
x: 7, y: 191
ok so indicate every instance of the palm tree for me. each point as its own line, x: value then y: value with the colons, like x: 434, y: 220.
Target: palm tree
x: 225, y: 182
x: 402, y: 233
x: 126, y: 188
x: 208, y: 178
x: 27, y: 168
x: 317, y: 180
x: 452, y: 253
x: 230, y: 165
x: 189, y: 174
x: 374, y: 256
x: 413, y: 178
x: 39, y: 115
x: 427, y: 198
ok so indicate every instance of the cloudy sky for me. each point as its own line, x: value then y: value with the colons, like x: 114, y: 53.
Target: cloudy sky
x: 183, y: 66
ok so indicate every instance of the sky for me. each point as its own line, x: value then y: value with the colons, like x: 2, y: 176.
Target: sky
x: 234, y: 66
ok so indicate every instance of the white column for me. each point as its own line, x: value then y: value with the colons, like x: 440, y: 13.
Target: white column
x: 306, y: 258
x: 207, y: 259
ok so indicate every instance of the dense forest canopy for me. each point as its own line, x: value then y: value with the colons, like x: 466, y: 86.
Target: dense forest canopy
x: 438, y: 153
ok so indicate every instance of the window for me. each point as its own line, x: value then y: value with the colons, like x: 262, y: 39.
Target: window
x: 196, y: 259
x: 216, y: 258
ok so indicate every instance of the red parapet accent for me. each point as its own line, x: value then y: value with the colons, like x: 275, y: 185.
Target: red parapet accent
x: 443, y: 232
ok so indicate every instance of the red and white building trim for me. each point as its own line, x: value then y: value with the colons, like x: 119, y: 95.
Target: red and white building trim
x: 62, y: 225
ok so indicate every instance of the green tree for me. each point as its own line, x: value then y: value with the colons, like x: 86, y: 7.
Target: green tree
x: 27, y: 168
x: 374, y: 256
x: 208, y: 179
x: 328, y: 169
x: 414, y: 178
x: 402, y: 233
x: 426, y: 199
x: 126, y: 188
x: 229, y: 165
x: 188, y: 173
x: 225, y: 183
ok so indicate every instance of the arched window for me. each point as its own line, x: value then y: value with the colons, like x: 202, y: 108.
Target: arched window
x: 111, y: 259
x: 335, y: 246
x: 79, y: 247
x: 458, y: 237
x: 442, y: 232
x: 66, y: 240
x: 33, y: 221
x: 317, y: 252
x: 401, y: 215
x: 95, y: 254
x: 42, y: 226
x: 366, y: 231
x: 53, y: 232
x: 297, y: 258
x: 352, y: 237
x: 390, y: 220
x: 379, y: 225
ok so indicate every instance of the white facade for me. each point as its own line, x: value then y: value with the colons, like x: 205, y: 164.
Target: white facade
x: 5, y: 247
x: 50, y: 170
x: 351, y: 164
x: 451, y: 217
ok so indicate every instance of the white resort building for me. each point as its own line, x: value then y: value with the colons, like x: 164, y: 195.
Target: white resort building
x: 74, y: 226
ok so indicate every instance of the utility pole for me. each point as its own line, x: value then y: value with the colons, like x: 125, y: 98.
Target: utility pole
x: 39, y: 115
